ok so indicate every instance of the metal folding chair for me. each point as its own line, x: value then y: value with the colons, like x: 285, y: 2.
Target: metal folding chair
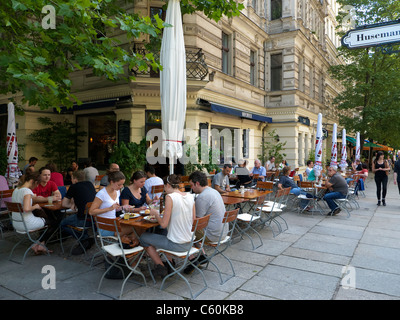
x: 223, y: 243
x: 345, y: 204
x: 4, y: 194
x: 265, y: 185
x: 16, y: 212
x: 118, y: 257
x: 309, y: 187
x: 249, y: 221
x: 79, y: 232
x: 97, y: 181
x: 270, y: 213
x: 156, y: 189
x: 183, y: 260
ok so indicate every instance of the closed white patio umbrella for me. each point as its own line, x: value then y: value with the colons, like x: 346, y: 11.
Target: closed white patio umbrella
x: 318, y: 148
x: 12, y: 173
x: 343, y: 162
x: 173, y: 84
x: 358, y: 150
x: 334, y: 147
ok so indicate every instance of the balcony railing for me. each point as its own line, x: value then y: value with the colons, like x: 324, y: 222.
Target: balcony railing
x: 196, y: 67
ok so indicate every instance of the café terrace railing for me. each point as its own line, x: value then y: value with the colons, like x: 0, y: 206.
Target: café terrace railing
x: 196, y: 67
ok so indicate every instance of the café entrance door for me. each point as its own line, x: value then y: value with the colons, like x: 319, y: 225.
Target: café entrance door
x: 101, y: 138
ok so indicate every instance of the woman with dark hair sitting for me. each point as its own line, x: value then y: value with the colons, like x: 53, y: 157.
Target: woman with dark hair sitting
x: 136, y: 194
x: 178, y: 217
x: 23, y: 194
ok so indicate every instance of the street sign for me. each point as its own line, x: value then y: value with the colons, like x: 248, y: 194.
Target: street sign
x: 372, y: 35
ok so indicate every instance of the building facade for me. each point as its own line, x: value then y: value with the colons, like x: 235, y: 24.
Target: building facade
x: 264, y: 70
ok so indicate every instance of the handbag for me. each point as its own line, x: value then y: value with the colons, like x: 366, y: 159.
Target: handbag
x: 40, y: 213
x: 127, y: 243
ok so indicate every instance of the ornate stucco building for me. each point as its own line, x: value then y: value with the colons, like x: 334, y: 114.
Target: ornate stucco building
x: 263, y: 70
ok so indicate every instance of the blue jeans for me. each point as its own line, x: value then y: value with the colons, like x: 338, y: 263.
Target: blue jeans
x: 333, y: 195
x: 299, y: 191
x: 73, y: 220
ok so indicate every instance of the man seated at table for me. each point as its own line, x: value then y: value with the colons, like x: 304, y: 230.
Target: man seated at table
x: 258, y: 169
x: 78, y: 195
x: 90, y: 172
x: 220, y: 181
x: 310, y: 165
x: 270, y: 164
x: 46, y: 188
x: 286, y: 182
x: 338, y: 188
x: 152, y: 180
x: 356, y: 165
x: 243, y: 175
x: 68, y: 178
x: 208, y: 201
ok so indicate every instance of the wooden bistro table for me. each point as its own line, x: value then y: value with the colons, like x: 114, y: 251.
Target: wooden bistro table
x: 232, y: 201
x: 138, y: 224
x: 58, y: 212
x: 248, y: 195
x: 55, y: 206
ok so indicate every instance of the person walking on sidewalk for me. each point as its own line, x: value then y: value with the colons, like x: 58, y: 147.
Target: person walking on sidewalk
x: 396, y: 175
x: 381, y: 169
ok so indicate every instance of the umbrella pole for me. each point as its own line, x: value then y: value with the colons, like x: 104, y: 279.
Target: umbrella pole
x: 171, y: 165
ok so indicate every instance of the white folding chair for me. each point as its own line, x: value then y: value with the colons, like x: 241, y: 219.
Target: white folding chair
x: 4, y: 195
x: 196, y: 247
x: 118, y: 257
x: 79, y: 232
x: 309, y: 187
x: 156, y: 189
x: 345, y: 203
x: 271, y: 212
x: 248, y: 221
x: 17, y: 215
x: 223, y: 243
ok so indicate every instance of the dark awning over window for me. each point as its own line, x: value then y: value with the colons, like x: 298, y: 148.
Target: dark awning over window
x: 239, y: 113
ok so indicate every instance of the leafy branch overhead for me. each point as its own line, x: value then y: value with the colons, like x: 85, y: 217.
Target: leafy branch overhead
x: 370, y: 79
x: 37, y: 62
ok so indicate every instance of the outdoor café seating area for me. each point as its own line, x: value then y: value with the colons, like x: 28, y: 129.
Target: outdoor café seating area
x: 254, y: 215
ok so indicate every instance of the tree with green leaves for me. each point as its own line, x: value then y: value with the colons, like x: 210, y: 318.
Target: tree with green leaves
x: 272, y: 147
x: 130, y: 157
x: 56, y: 138
x: 370, y: 78
x: 37, y: 56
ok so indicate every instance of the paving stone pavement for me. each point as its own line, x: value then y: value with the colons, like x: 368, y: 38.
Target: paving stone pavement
x: 317, y: 258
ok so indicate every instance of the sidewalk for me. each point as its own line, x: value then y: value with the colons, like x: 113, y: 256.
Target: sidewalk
x: 304, y: 262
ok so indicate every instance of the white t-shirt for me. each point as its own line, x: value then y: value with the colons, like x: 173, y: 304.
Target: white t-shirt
x: 269, y: 166
x: 107, y: 202
x: 31, y: 221
x: 153, y: 181
x: 180, y: 224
